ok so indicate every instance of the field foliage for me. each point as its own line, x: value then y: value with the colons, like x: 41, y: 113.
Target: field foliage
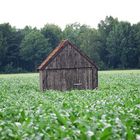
x: 111, y: 112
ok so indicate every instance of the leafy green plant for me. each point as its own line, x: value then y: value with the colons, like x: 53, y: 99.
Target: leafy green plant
x: 111, y: 112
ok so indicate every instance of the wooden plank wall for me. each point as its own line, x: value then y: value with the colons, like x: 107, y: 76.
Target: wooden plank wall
x: 67, y: 79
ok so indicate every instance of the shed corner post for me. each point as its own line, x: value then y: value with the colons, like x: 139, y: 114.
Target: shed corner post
x: 42, y: 79
x: 94, y: 78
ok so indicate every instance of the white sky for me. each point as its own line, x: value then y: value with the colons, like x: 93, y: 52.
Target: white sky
x: 37, y: 13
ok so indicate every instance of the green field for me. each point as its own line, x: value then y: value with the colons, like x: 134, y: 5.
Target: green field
x: 112, y: 112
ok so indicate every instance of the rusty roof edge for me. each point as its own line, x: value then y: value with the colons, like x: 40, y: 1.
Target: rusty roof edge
x: 51, y: 55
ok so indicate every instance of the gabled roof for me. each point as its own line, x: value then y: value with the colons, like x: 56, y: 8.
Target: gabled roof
x: 58, y: 49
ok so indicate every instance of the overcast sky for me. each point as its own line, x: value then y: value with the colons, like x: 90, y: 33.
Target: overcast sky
x: 37, y: 13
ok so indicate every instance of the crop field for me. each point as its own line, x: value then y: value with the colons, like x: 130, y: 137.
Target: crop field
x: 110, y: 113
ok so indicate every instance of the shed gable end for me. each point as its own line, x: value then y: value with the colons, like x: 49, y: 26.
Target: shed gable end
x: 68, y: 57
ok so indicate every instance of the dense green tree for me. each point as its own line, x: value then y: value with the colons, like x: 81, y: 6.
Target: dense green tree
x: 118, y: 45
x: 6, y: 35
x: 104, y: 28
x: 13, y: 48
x: 89, y: 42
x: 134, y: 53
x: 53, y: 34
x: 26, y: 30
x: 33, y: 49
x: 71, y: 32
x: 3, y: 50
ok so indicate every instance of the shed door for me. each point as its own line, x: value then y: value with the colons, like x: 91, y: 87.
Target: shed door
x: 66, y: 79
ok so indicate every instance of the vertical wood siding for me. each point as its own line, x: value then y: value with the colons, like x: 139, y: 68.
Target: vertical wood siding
x: 67, y: 79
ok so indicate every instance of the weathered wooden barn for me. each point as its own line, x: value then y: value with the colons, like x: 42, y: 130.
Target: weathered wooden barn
x: 66, y: 68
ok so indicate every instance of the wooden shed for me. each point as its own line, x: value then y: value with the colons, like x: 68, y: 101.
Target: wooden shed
x: 66, y: 68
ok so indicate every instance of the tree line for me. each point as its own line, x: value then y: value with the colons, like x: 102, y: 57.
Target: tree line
x: 113, y: 45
